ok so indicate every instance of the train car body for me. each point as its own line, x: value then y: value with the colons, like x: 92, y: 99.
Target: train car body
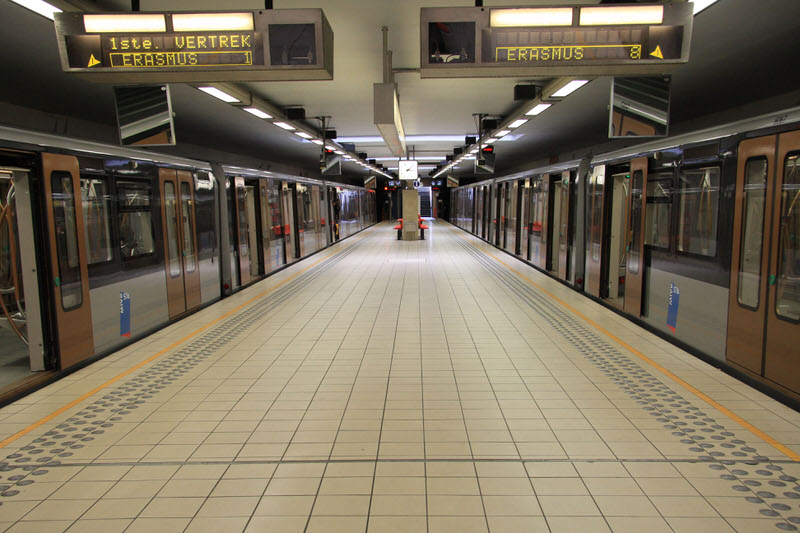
x: 697, y: 237
x: 103, y: 245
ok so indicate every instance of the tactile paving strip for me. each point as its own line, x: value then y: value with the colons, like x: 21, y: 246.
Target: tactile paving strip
x: 712, y: 442
x: 54, y: 446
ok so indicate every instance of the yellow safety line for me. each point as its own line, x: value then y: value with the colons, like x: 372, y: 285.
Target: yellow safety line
x: 722, y: 409
x: 175, y: 344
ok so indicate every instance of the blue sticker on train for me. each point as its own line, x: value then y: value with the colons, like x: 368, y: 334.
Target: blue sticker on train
x: 124, y: 314
x: 672, y: 311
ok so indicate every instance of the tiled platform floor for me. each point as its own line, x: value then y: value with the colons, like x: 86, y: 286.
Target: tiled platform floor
x: 399, y: 387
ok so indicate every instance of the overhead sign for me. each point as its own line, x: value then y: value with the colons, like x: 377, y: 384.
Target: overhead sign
x: 409, y: 169
x: 267, y: 45
x: 553, y: 41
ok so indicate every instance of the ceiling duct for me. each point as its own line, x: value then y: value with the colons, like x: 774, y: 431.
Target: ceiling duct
x: 387, y: 118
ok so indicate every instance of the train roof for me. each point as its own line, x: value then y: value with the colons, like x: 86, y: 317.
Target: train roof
x: 761, y: 122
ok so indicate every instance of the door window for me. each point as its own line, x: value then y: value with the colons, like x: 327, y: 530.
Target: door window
x: 699, y: 204
x: 658, y: 214
x: 187, y: 210
x: 171, y: 214
x: 787, y: 301
x: 135, y: 219
x: 636, y: 223
x: 96, y: 202
x: 753, y: 212
x: 66, y: 236
x: 596, y: 218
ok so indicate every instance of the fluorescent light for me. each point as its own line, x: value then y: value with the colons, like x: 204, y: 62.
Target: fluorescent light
x: 537, y: 109
x: 491, y: 141
x: 317, y: 142
x: 212, y: 22
x: 454, y: 138
x: 700, y: 5
x: 39, y: 6
x: 257, y: 112
x: 124, y: 23
x: 303, y: 134
x: 505, y: 18
x: 284, y: 125
x: 502, y: 133
x: 331, y: 148
x: 518, y: 123
x: 338, y: 152
x: 216, y: 93
x: 613, y: 16
x: 569, y: 88
x: 475, y: 150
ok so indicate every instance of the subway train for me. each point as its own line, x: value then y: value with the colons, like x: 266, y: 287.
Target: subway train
x: 102, y: 245
x: 696, y: 237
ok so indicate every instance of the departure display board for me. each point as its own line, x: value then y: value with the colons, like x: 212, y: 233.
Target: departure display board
x: 615, y: 39
x: 268, y: 45
x: 590, y: 46
x: 165, y: 51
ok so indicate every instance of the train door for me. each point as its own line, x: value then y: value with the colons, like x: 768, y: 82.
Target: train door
x: 305, y: 222
x: 277, y: 252
x: 502, y: 210
x: 524, y: 201
x: 594, y: 236
x: 479, y: 211
x: 251, y: 202
x: 764, y: 307
x: 474, y: 206
x: 288, y: 203
x: 554, y: 228
x: 634, y: 275
x: 490, y: 213
x: 538, y: 244
x: 180, y: 250
x: 616, y: 253
x: 243, y: 227
x: 263, y: 211
x: 512, y: 220
x: 318, y: 197
x: 561, y: 252
x: 69, y: 260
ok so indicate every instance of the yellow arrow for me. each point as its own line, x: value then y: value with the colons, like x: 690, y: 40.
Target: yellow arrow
x: 93, y: 61
x: 657, y: 53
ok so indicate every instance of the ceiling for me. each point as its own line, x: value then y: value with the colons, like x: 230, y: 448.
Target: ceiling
x: 741, y: 53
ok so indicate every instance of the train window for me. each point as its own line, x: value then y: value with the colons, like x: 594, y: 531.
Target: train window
x: 755, y: 195
x: 135, y: 219
x: 787, y: 301
x: 658, y: 213
x: 699, y: 205
x: 66, y: 237
x: 96, y: 201
x: 188, y: 223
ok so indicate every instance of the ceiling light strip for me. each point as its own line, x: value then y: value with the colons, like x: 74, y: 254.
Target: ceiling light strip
x: 212, y: 22
x: 39, y: 7
x: 621, y: 15
x: 133, y: 23
x: 221, y: 95
x: 530, y: 17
